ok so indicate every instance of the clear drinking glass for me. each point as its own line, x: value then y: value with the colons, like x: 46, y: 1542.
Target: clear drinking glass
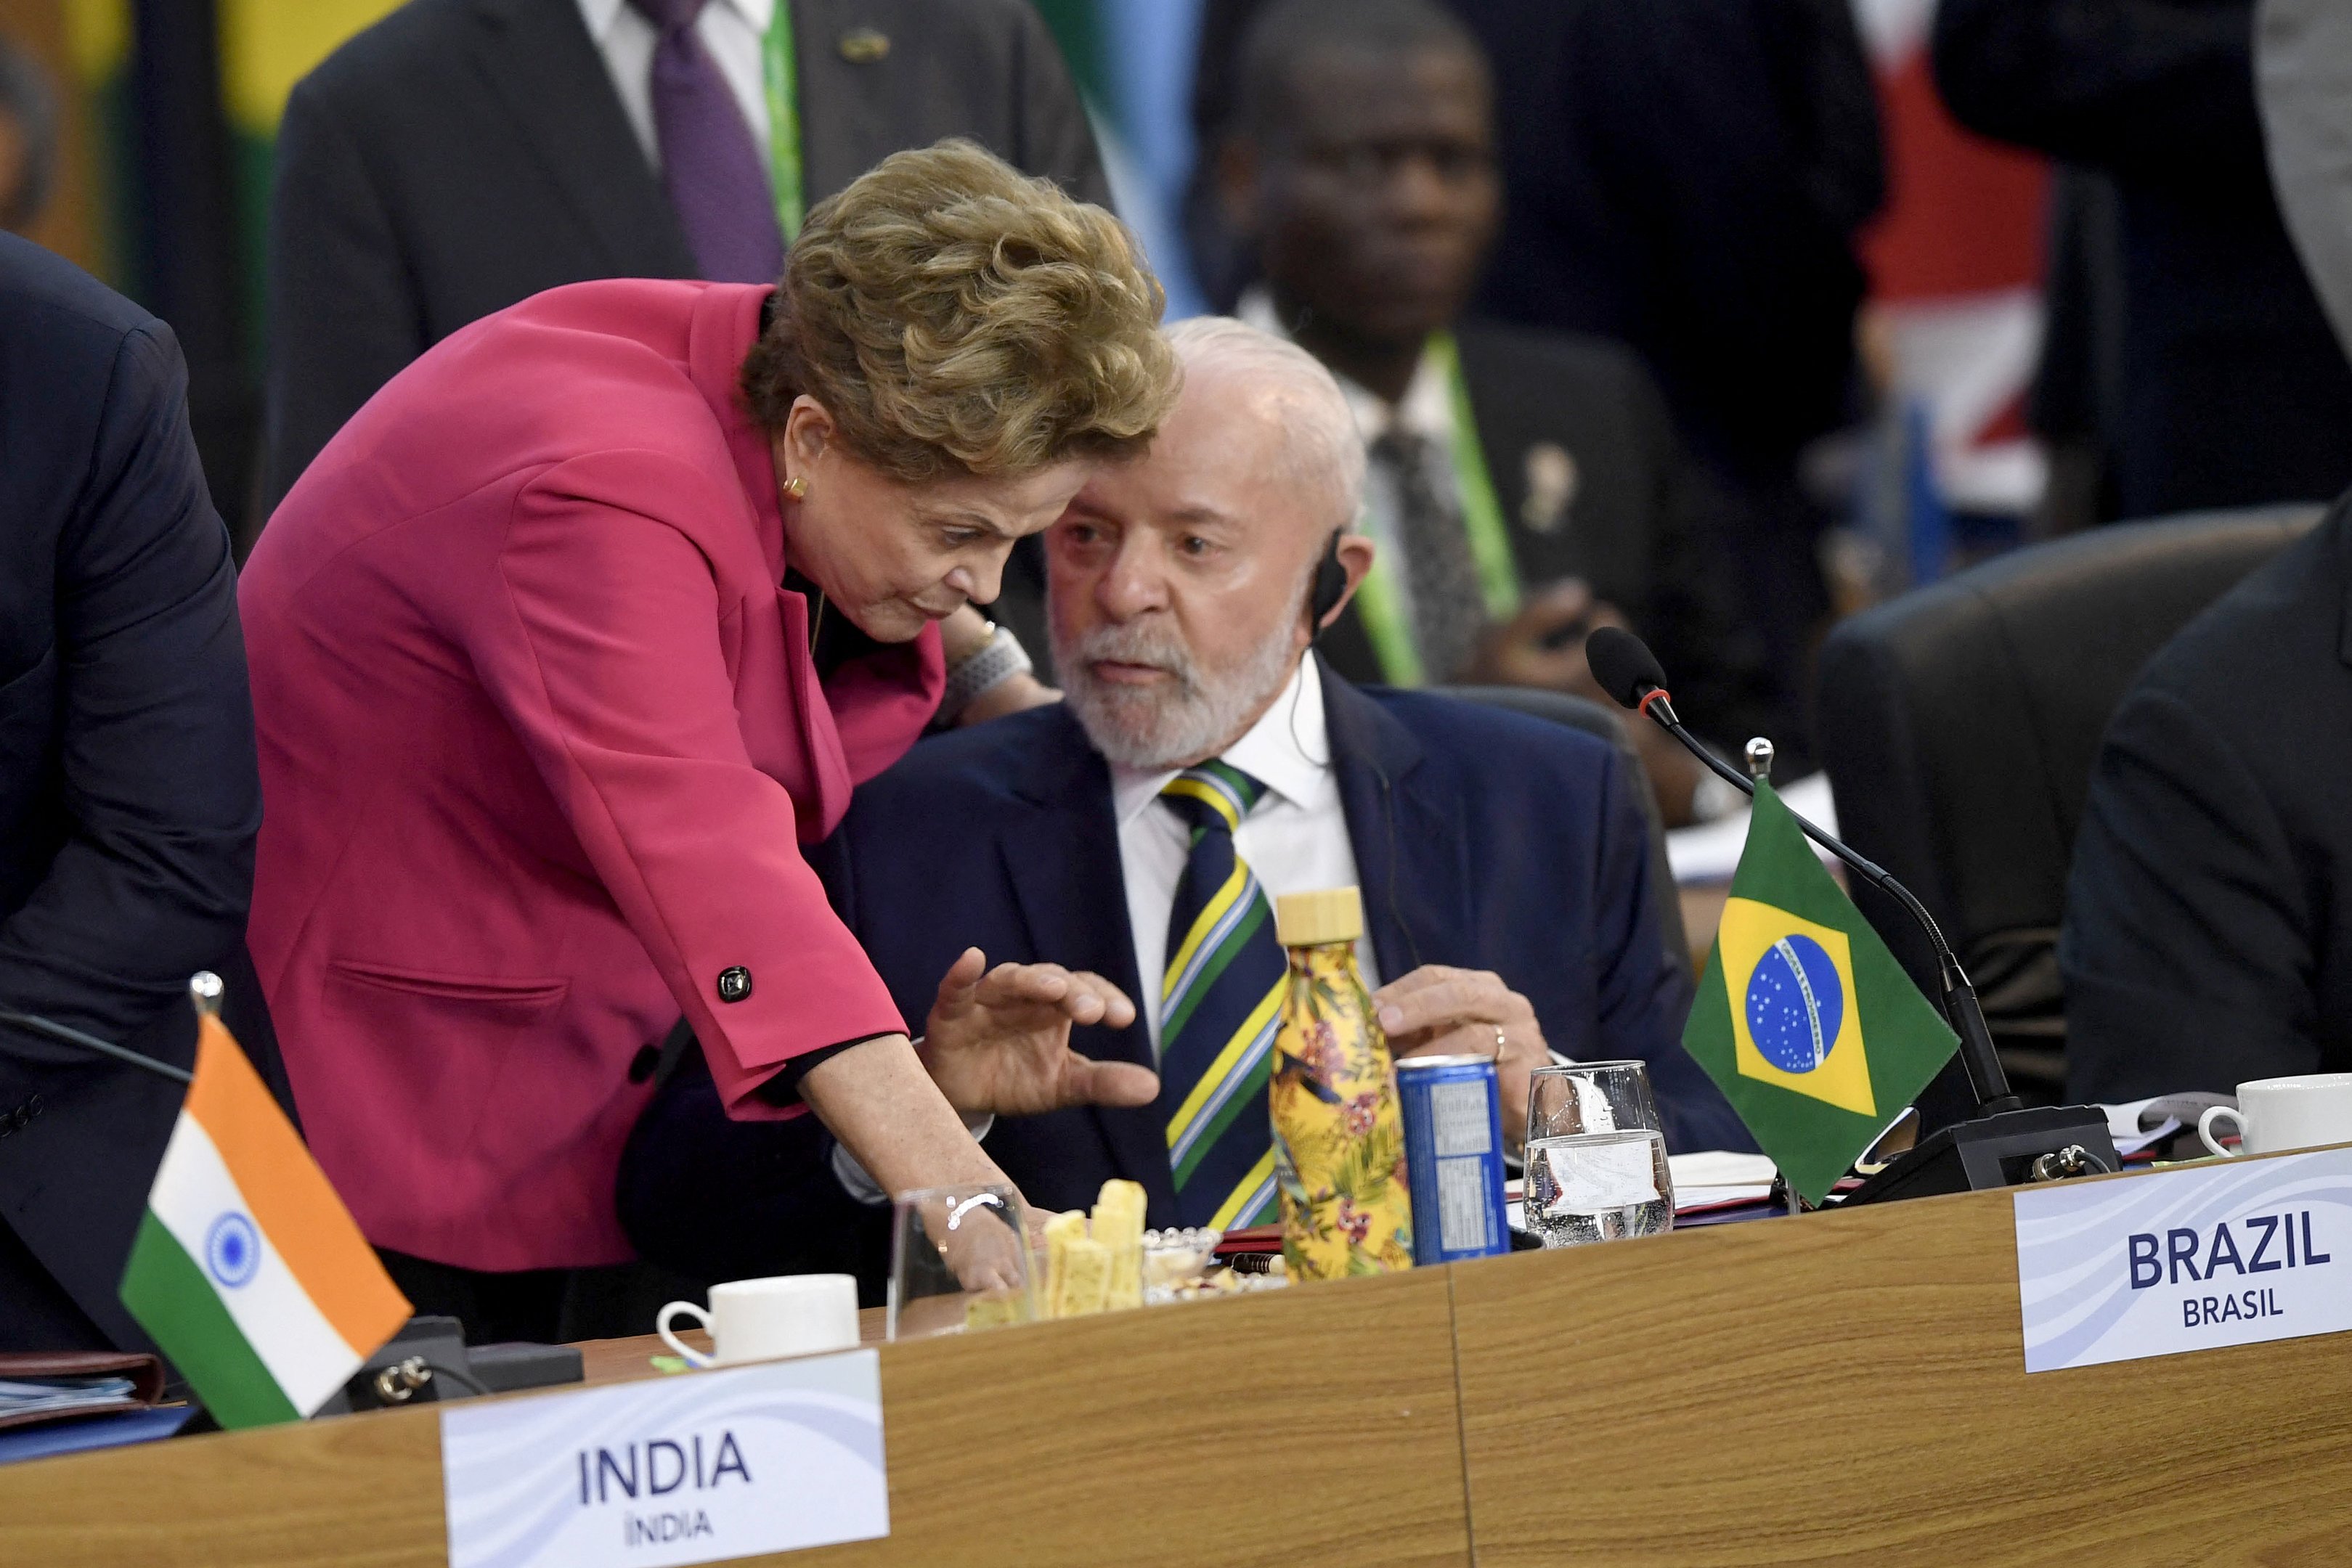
x: 1596, y: 1155
x: 959, y: 1260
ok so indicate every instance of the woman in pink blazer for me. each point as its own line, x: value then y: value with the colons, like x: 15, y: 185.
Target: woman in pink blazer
x: 582, y: 627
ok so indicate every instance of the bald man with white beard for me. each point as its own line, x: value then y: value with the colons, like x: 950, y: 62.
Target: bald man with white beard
x: 1504, y: 861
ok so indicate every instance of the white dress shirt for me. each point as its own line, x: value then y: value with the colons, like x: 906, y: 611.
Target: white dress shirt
x: 1426, y: 409
x: 732, y: 30
x: 1295, y: 838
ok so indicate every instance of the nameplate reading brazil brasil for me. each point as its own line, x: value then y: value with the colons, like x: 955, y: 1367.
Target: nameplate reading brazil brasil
x: 699, y: 1468
x: 2230, y: 1253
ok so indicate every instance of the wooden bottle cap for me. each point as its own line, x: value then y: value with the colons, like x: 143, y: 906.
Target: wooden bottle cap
x: 1313, y: 919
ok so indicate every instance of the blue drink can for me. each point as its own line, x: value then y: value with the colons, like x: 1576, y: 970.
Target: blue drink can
x: 1453, y: 1157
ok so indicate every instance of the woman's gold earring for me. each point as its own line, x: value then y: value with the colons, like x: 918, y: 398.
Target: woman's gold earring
x: 796, y: 487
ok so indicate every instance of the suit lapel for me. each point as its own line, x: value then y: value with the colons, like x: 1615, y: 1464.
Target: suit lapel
x: 1407, y: 840
x: 1514, y: 419
x: 537, y: 56
x: 1061, y: 856
x: 845, y: 105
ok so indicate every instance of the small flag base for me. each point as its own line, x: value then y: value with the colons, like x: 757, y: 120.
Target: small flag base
x: 1990, y: 1151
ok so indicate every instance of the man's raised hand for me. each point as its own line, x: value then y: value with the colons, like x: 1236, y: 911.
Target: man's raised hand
x: 998, y: 1040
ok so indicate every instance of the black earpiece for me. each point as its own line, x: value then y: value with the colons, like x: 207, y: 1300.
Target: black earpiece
x: 1331, y: 587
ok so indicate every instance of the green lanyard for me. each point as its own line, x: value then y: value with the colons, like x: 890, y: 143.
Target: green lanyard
x: 780, y: 68
x: 1482, y: 516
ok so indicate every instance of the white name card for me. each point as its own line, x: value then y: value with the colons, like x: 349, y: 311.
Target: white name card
x: 2232, y: 1253
x: 699, y: 1468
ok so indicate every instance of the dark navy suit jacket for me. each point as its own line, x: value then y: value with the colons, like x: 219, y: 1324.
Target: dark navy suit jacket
x: 1483, y: 839
x: 129, y: 799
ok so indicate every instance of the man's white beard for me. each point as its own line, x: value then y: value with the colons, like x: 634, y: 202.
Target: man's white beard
x: 1168, y: 724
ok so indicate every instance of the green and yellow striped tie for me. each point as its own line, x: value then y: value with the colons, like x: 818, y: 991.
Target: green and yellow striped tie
x: 1220, y: 1003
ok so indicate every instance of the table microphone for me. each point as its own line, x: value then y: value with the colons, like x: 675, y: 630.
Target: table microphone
x: 2004, y: 1131
x: 1630, y: 673
x: 32, y: 1023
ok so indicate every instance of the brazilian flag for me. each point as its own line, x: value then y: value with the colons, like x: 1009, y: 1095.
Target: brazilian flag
x: 1803, y: 1019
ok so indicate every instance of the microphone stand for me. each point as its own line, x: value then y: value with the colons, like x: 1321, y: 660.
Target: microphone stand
x: 204, y: 993
x: 2005, y: 1143
x: 32, y: 1023
x: 1961, y: 1009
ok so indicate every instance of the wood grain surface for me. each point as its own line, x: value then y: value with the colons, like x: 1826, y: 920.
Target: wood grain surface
x: 1172, y: 1437
x: 360, y: 1491
x: 1283, y: 1429
x: 1851, y: 1389
x: 1845, y: 1389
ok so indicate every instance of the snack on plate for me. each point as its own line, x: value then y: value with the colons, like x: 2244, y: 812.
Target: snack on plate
x: 990, y: 1310
x: 1084, y: 1285
x: 1172, y: 1258
x: 1060, y: 1231
x: 1223, y: 1281
x: 1108, y: 1261
x: 1118, y: 1226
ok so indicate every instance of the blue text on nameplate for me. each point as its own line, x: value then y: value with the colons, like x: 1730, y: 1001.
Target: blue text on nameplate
x: 2230, y: 1253
x: 768, y: 1458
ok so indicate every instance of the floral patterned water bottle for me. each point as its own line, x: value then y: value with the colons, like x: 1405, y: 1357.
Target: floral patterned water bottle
x: 1339, y: 1129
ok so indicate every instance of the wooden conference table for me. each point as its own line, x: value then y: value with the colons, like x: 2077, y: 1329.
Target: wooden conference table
x: 1840, y: 1389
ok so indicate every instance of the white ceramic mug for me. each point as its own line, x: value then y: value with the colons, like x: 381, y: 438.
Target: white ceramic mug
x: 761, y: 1320
x: 2276, y: 1114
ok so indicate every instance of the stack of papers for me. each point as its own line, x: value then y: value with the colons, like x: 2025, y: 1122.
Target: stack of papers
x: 1709, y: 852
x: 2137, y: 1124
x: 60, y: 1395
x: 1717, y: 1179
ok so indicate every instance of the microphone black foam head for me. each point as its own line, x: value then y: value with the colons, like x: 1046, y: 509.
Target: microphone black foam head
x: 1623, y: 665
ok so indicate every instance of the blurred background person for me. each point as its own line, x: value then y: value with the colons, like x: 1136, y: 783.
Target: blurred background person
x: 1691, y: 179
x: 1503, y: 859
x: 2208, y: 939
x: 2303, y: 51
x: 542, y: 736
x: 2233, y: 393
x: 1524, y: 486
x: 462, y: 155
x: 28, y: 137
x: 2208, y: 931
x: 129, y: 799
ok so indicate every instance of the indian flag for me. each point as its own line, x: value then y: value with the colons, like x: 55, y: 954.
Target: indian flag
x: 249, y: 1270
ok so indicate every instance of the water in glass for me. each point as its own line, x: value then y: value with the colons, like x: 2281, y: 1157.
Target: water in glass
x: 1599, y: 1187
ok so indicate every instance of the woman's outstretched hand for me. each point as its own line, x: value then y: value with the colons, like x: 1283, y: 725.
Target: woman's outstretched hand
x: 998, y: 1040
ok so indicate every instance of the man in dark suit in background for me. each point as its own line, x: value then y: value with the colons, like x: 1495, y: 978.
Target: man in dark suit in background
x: 2232, y: 391
x: 1690, y: 178
x: 129, y: 797
x: 1503, y: 860
x: 2208, y: 936
x: 1524, y: 486
x: 462, y: 155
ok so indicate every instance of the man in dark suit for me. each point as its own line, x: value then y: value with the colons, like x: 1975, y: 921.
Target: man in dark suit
x: 2208, y: 936
x: 129, y: 797
x: 462, y: 155
x: 1526, y: 486
x: 2233, y: 393
x: 1503, y: 860
x: 1691, y: 178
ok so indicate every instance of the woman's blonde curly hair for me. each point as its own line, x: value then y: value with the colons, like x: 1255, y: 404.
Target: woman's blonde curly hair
x: 956, y: 317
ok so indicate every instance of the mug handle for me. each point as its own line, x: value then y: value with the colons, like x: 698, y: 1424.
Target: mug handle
x: 2205, y: 1130
x: 661, y: 1326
